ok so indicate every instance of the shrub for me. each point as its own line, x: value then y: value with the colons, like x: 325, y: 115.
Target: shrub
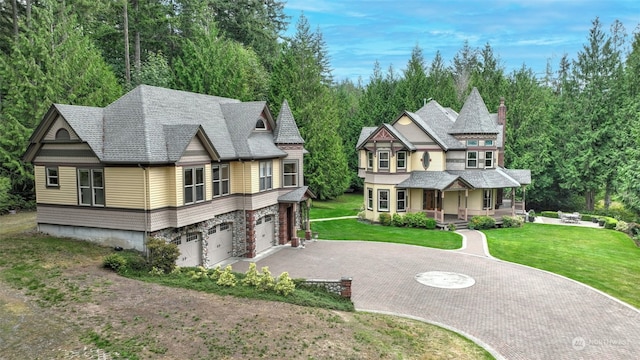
x: 451, y: 227
x: 549, y: 214
x: 397, y: 220
x: 266, y: 280
x: 285, y: 284
x: 512, y: 221
x: 385, y: 219
x: 622, y: 226
x: 214, y: 274
x: 482, y: 222
x: 429, y: 223
x: 115, y: 262
x: 227, y: 278
x: 155, y: 271
x: 162, y: 254
x: 252, y: 278
x: 416, y: 220
x: 610, y: 223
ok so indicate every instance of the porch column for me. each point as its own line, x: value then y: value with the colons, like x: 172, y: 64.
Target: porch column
x: 295, y: 241
x: 307, y: 232
x: 466, y: 201
x: 442, y: 207
x: 524, y: 195
x: 513, y: 201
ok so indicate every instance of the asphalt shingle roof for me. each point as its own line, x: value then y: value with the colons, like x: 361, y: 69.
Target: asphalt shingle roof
x: 286, y: 130
x: 485, y: 179
x: 428, y: 180
x: 295, y: 196
x: 474, y: 118
x: 151, y: 125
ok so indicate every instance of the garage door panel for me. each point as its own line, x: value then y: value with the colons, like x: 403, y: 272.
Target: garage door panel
x: 264, y: 233
x: 190, y: 247
x: 220, y: 243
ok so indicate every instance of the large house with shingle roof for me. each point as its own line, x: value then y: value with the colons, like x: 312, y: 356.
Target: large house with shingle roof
x: 448, y: 165
x: 218, y: 177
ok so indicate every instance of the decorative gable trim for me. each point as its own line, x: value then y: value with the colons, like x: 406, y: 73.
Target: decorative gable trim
x: 383, y: 135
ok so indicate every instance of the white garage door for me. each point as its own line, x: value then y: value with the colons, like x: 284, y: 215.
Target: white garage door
x: 220, y: 242
x: 264, y: 233
x: 190, y: 246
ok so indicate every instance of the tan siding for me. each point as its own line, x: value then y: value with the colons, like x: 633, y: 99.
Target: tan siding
x: 437, y: 162
x: 178, y: 186
x: 236, y: 177
x: 254, y: 177
x: 208, y: 182
x: 58, y: 124
x: 45, y: 154
x: 411, y: 131
x: 161, y: 187
x: 386, y: 178
x: 277, y: 174
x: 415, y: 200
x: 91, y: 217
x: 65, y: 194
x: 162, y: 219
x: 260, y: 200
x: 450, y: 205
x: 124, y: 187
x: 195, y: 152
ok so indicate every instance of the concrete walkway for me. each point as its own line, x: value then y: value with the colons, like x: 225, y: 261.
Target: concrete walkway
x: 514, y: 311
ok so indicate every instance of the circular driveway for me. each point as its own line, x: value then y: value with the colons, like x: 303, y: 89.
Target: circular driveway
x: 516, y: 312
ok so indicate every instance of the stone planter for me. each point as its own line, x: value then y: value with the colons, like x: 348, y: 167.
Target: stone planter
x: 601, y: 222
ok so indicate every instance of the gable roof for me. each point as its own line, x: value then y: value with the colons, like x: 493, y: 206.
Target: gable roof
x: 152, y: 125
x: 436, y: 121
x: 474, y: 118
x: 371, y: 132
x: 286, y: 130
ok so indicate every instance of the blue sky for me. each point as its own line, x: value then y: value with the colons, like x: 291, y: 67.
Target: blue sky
x: 359, y: 32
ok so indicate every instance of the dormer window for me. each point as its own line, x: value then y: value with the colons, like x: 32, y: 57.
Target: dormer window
x: 472, y: 142
x: 260, y: 125
x: 63, y: 134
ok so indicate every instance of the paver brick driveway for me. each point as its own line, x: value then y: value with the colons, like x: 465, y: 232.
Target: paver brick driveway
x: 516, y: 311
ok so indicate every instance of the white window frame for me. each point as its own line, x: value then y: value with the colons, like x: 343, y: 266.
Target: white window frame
x: 470, y: 159
x: 488, y: 159
x: 401, y: 198
x: 487, y: 198
x: 95, y: 190
x: 53, y: 177
x: 195, y: 186
x: 370, y: 160
x: 472, y: 142
x: 225, y: 226
x: 387, y: 159
x: 383, y: 199
x: 266, y: 175
x: 401, y: 156
x: 292, y: 176
x: 221, y: 184
x: 369, y: 199
x: 194, y: 236
x: 261, y: 124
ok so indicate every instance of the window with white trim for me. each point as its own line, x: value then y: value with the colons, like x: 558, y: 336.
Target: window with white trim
x: 401, y: 160
x: 401, y: 200
x: 472, y: 142
x: 193, y: 185
x: 472, y: 159
x: 52, y: 177
x: 266, y: 175
x: 488, y: 195
x: 370, y: 198
x: 290, y: 173
x: 383, y: 160
x: 260, y: 125
x: 220, y: 175
x: 383, y: 200
x: 488, y: 159
x: 369, y: 160
x: 91, y: 187
x: 192, y: 237
x: 488, y: 143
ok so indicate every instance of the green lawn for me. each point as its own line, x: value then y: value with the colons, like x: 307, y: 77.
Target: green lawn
x: 352, y: 229
x: 607, y: 260
x: 344, y: 205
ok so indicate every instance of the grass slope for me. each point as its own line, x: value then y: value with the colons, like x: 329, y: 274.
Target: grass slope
x: 607, y: 260
x: 352, y: 229
x: 344, y: 205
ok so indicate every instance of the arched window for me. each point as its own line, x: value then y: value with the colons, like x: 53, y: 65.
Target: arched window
x: 260, y: 124
x: 63, y: 134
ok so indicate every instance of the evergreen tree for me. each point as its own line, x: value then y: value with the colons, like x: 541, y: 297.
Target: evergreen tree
x: 413, y: 88
x: 214, y: 65
x: 441, y: 85
x: 465, y: 63
x: 52, y: 61
x: 488, y: 77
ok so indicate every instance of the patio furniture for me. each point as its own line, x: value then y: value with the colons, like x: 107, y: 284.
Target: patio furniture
x: 572, y: 218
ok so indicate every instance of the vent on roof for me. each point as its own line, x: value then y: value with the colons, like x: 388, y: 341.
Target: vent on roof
x: 63, y: 134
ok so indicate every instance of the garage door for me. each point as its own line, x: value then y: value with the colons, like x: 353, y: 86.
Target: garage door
x: 190, y: 246
x: 220, y: 242
x: 264, y: 233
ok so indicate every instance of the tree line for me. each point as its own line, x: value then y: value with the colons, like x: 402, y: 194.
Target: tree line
x: 576, y: 127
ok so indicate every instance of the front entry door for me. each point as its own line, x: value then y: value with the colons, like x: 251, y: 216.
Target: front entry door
x: 430, y: 199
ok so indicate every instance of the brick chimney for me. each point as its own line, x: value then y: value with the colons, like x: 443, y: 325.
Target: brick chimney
x: 502, y: 120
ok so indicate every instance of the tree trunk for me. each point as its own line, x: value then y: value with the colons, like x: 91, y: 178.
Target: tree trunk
x: 607, y: 196
x: 14, y: 3
x: 127, y: 63
x: 137, y: 62
x: 589, y: 199
x: 28, y: 13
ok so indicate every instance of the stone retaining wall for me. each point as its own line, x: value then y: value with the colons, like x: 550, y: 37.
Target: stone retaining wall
x: 341, y: 287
